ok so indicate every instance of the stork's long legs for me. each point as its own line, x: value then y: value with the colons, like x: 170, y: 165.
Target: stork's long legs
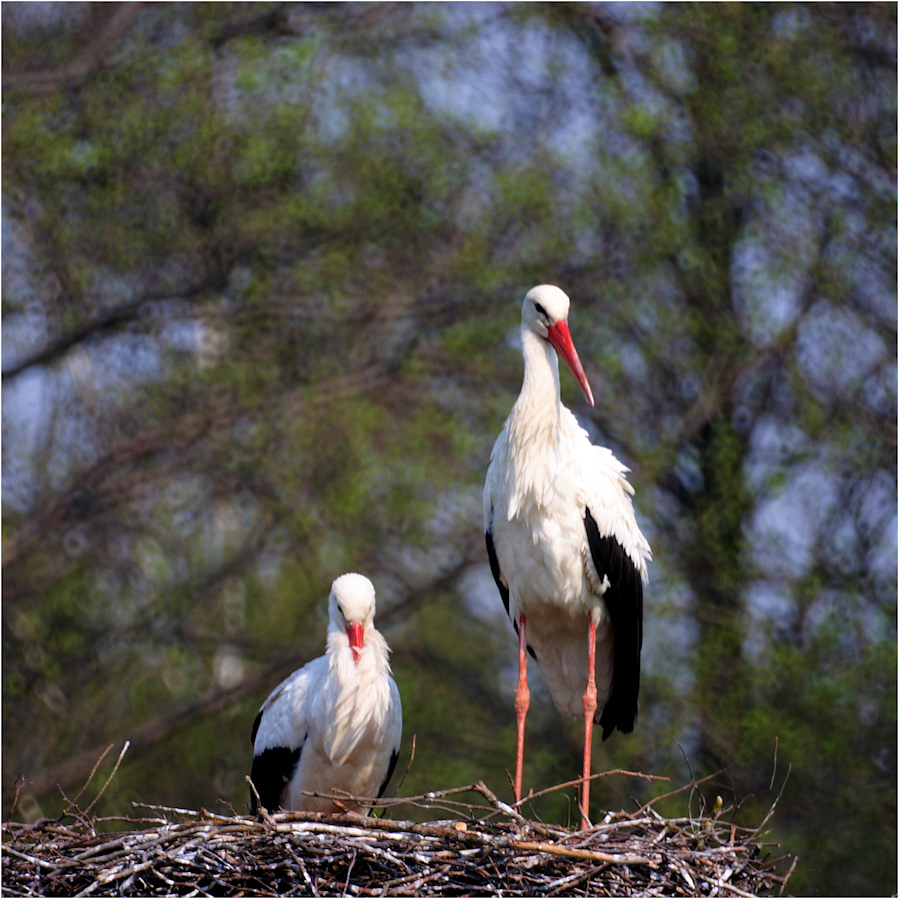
x: 589, y: 712
x: 522, y: 701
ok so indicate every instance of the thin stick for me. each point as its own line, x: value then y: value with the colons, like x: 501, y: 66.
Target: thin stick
x: 260, y: 808
x: 488, y: 794
x: 408, y: 766
x: 309, y: 881
x: 191, y: 813
x: 349, y: 874
x: 575, y: 783
x: 783, y: 886
x: 587, y: 854
x: 90, y: 777
x: 20, y: 782
x: 692, y: 782
x: 28, y: 858
x: 767, y: 817
x: 108, y: 779
x: 688, y: 786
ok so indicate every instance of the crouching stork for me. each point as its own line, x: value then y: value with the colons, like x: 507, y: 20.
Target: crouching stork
x: 335, y: 724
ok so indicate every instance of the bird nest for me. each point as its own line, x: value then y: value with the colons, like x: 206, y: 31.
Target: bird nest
x: 485, y: 848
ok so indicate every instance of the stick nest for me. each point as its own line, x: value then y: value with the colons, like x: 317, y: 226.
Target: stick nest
x: 484, y: 849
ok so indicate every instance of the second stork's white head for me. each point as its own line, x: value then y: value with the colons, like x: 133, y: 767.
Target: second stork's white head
x: 351, y: 607
x: 544, y: 312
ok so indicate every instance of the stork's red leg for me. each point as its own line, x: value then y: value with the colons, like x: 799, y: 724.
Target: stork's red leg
x: 589, y: 712
x: 522, y: 701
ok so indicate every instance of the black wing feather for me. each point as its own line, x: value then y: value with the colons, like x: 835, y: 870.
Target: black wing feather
x: 390, y: 769
x: 624, y: 600
x: 271, y: 771
x: 494, y: 569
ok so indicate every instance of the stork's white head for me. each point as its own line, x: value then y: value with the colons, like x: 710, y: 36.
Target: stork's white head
x: 545, y: 313
x: 351, y: 607
x: 543, y: 306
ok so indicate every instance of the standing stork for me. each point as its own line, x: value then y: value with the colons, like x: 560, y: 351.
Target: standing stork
x: 564, y: 546
x: 336, y: 723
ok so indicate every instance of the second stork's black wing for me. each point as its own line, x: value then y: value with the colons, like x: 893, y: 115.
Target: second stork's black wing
x: 624, y: 600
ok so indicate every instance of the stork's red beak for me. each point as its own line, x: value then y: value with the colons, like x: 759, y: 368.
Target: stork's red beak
x: 560, y: 337
x: 356, y: 637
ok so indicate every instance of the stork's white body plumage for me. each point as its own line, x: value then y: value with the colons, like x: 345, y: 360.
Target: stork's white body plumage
x: 334, y: 726
x: 564, y: 545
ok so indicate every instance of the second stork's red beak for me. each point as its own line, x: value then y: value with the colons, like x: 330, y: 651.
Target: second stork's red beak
x: 356, y: 636
x: 560, y: 337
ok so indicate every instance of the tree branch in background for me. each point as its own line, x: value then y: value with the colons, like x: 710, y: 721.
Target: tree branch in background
x: 89, y: 61
x: 124, y: 314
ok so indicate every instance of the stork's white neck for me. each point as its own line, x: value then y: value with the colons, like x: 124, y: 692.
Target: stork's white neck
x: 534, y: 427
x: 535, y: 415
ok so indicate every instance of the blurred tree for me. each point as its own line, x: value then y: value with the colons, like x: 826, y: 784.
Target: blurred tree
x: 261, y: 266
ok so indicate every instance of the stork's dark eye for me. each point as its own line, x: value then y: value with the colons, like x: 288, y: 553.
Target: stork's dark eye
x: 541, y: 310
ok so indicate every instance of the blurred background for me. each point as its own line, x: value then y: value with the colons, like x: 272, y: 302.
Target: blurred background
x: 262, y: 272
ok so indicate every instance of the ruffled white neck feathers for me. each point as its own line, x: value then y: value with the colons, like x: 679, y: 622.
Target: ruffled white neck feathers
x: 356, y: 694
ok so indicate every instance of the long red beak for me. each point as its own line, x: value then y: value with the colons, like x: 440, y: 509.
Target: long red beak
x: 356, y: 637
x: 560, y: 337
